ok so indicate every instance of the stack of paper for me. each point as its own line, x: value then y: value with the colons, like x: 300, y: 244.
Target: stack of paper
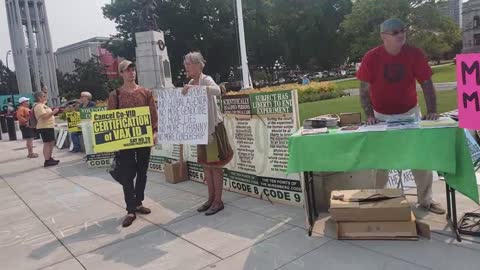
x: 348, y: 129
x: 402, y: 125
x: 320, y: 122
x: 440, y: 123
x: 377, y: 127
x: 312, y: 131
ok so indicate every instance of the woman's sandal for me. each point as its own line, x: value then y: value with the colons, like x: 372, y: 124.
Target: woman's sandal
x: 213, y: 210
x: 33, y: 155
x: 204, y: 207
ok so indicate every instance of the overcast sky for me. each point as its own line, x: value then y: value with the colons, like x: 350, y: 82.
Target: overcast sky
x: 70, y: 21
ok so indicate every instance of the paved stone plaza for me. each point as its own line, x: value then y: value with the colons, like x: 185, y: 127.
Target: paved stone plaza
x: 69, y: 217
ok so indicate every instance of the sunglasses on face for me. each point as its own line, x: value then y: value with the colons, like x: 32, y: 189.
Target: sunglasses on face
x: 396, y: 32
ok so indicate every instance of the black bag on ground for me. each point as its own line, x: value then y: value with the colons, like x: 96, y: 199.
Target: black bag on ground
x: 114, y: 170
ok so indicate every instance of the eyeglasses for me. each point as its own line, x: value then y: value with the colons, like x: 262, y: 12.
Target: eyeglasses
x: 396, y: 32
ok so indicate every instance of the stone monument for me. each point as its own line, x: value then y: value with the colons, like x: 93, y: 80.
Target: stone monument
x: 153, y: 64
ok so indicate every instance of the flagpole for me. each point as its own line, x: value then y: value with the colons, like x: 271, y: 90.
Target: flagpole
x: 243, y: 48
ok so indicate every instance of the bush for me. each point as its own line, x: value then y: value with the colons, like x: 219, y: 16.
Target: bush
x: 313, y: 91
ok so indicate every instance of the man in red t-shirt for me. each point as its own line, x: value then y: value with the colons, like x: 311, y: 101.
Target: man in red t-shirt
x: 388, y: 76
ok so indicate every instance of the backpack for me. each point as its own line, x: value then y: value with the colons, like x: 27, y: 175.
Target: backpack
x: 32, y: 120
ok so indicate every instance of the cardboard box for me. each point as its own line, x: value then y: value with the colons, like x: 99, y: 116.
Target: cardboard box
x: 352, y: 118
x: 378, y: 230
x: 176, y: 172
x: 369, y: 205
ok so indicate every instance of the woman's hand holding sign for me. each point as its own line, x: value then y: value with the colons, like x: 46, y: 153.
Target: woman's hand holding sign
x: 187, y: 87
x: 155, y: 138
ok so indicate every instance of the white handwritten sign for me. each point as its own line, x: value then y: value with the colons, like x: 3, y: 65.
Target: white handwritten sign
x: 183, y: 119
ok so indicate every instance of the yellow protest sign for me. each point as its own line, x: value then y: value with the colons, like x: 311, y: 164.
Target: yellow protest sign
x: 73, y: 121
x: 122, y: 129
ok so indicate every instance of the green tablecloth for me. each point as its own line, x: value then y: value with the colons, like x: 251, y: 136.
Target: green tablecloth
x: 440, y: 149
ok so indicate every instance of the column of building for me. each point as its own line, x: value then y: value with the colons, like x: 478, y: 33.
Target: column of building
x: 13, y: 42
x: 44, y: 71
x: 32, y: 46
x: 53, y: 90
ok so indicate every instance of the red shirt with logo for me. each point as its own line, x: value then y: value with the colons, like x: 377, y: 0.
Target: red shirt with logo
x: 392, y: 78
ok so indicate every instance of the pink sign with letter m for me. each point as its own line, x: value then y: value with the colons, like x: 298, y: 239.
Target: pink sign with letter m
x: 468, y: 84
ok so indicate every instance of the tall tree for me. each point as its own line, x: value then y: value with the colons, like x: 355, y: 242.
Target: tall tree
x: 427, y: 28
x: 92, y: 77
x: 67, y: 85
x: 435, y: 33
x: 303, y: 32
x: 8, y: 80
x: 309, y: 31
x: 88, y: 76
x: 188, y: 25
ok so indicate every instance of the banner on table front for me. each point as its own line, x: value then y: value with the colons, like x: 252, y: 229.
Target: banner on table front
x: 258, y: 127
x: 121, y: 129
x: 73, y: 121
x: 86, y: 113
x: 101, y: 160
x: 183, y: 119
x: 94, y: 160
x: 468, y: 85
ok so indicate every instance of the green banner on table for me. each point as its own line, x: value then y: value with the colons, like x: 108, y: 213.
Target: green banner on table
x: 438, y: 149
x: 86, y: 113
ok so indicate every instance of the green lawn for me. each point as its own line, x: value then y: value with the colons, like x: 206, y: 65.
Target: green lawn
x: 442, y: 73
x: 350, y: 84
x: 446, y: 101
x: 446, y: 73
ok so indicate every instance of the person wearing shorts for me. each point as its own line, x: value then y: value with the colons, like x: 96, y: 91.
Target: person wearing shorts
x: 23, y: 115
x: 45, y: 126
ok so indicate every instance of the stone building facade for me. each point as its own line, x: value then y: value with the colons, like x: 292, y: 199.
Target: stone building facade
x: 471, y: 26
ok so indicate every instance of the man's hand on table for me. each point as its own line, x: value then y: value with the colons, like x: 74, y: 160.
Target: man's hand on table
x: 371, y: 120
x: 431, y: 116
